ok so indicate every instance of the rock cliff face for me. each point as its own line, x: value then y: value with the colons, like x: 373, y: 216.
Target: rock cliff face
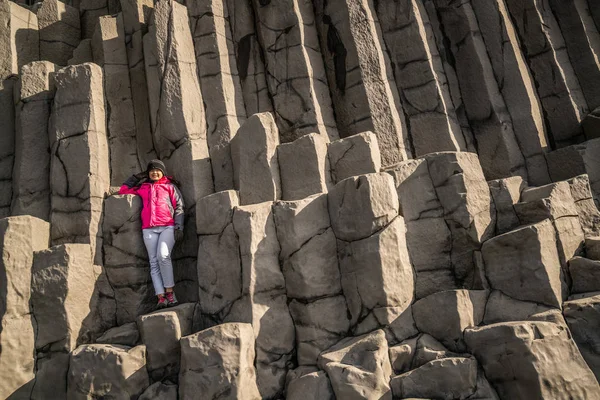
x: 385, y: 199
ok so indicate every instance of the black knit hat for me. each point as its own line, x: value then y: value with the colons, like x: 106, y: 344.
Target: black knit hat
x: 157, y: 164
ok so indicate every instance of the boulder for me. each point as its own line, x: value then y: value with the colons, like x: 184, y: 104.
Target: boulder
x: 219, y: 363
x: 125, y: 335
x: 545, y: 363
x: 583, y: 317
x: 354, y: 155
x: 359, y: 367
x: 308, y: 383
x: 585, y: 275
x: 103, y: 370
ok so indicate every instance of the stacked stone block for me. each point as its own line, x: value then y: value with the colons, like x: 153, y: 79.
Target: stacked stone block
x: 60, y: 31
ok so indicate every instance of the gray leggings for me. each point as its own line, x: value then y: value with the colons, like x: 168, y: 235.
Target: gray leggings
x: 159, y: 242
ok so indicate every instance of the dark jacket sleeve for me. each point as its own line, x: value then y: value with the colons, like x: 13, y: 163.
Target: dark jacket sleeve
x: 129, y: 186
x: 178, y: 215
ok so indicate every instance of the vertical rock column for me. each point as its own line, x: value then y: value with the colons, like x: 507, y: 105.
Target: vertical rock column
x: 19, y: 41
x: 363, y: 90
x: 249, y: 57
x: 178, y: 125
x: 31, y: 174
x: 91, y: 10
x: 62, y: 285
x: 79, y: 162
x: 516, y: 85
x: 219, y: 83
x: 19, y: 238
x: 420, y: 77
x: 295, y: 73
x: 558, y: 88
x: 376, y: 273
x: 497, y: 146
x: 108, y: 50
x: 264, y: 301
x: 60, y: 31
x: 312, y: 275
x: 135, y: 18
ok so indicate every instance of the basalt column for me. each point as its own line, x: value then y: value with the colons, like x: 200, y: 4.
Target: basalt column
x: 219, y: 83
x: 420, y: 77
x: 364, y: 94
x: 295, y: 73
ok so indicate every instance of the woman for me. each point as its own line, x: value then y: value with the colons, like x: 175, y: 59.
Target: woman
x: 162, y: 224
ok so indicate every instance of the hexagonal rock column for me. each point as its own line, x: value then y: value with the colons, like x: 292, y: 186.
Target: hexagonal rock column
x: 589, y: 215
x: 161, y: 332
x: 136, y: 14
x: 420, y: 77
x: 219, y: 82
x: 295, y: 73
x: 583, y: 316
x: 91, y: 10
x: 355, y: 155
x: 108, y: 50
x: 126, y: 258
x: 219, y: 363
x: 497, y: 146
x: 309, y: 155
x: 79, y: 157
x: 264, y: 301
x: 557, y: 85
x: 308, y: 382
x: 364, y: 94
x: 505, y: 194
x: 445, y: 315
x: 569, y: 162
x: 524, y: 264
x: 554, y: 201
x: 60, y: 31
x: 516, y: 85
x: 448, y: 210
x: 254, y: 154
x: 312, y: 275
x: 99, y: 370
x: 62, y: 286
x: 545, y: 362
x: 31, y: 173
x: 7, y: 143
x: 19, y: 38
x: 585, y: 275
x: 250, y: 64
x: 359, y: 367
x: 219, y: 264
x: 19, y: 238
x: 376, y: 273
x: 82, y: 53
x: 176, y: 106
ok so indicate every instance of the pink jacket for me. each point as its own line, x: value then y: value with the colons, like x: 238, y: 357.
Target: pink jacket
x: 162, y: 203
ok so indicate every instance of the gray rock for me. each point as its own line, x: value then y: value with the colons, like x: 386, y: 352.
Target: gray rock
x: 31, y: 172
x: 505, y: 194
x: 19, y: 238
x: 355, y: 155
x: 448, y: 379
x: 502, y: 308
x: 160, y: 391
x: 557, y: 85
x: 445, y: 315
x: 307, y: 382
x: 294, y: 69
x: 60, y: 31
x: 364, y: 94
x: 550, y: 201
x: 359, y: 367
x: 592, y: 248
x: 585, y: 275
x: 218, y: 363
x: 545, y: 361
x: 125, y: 335
x: 361, y: 206
x: 79, y: 157
x: 590, y: 122
x: 402, y: 327
x: 214, y: 212
x: 587, y: 210
x: 19, y: 38
x: 219, y: 82
x: 524, y: 264
x: 109, y: 51
x: 250, y: 62
x: 91, y: 10
x: 99, y: 370
x: 583, y: 316
x: 255, y: 156
x: 161, y: 332
x: 7, y: 142
x: 82, y: 53
x: 401, y: 355
x: 309, y: 155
